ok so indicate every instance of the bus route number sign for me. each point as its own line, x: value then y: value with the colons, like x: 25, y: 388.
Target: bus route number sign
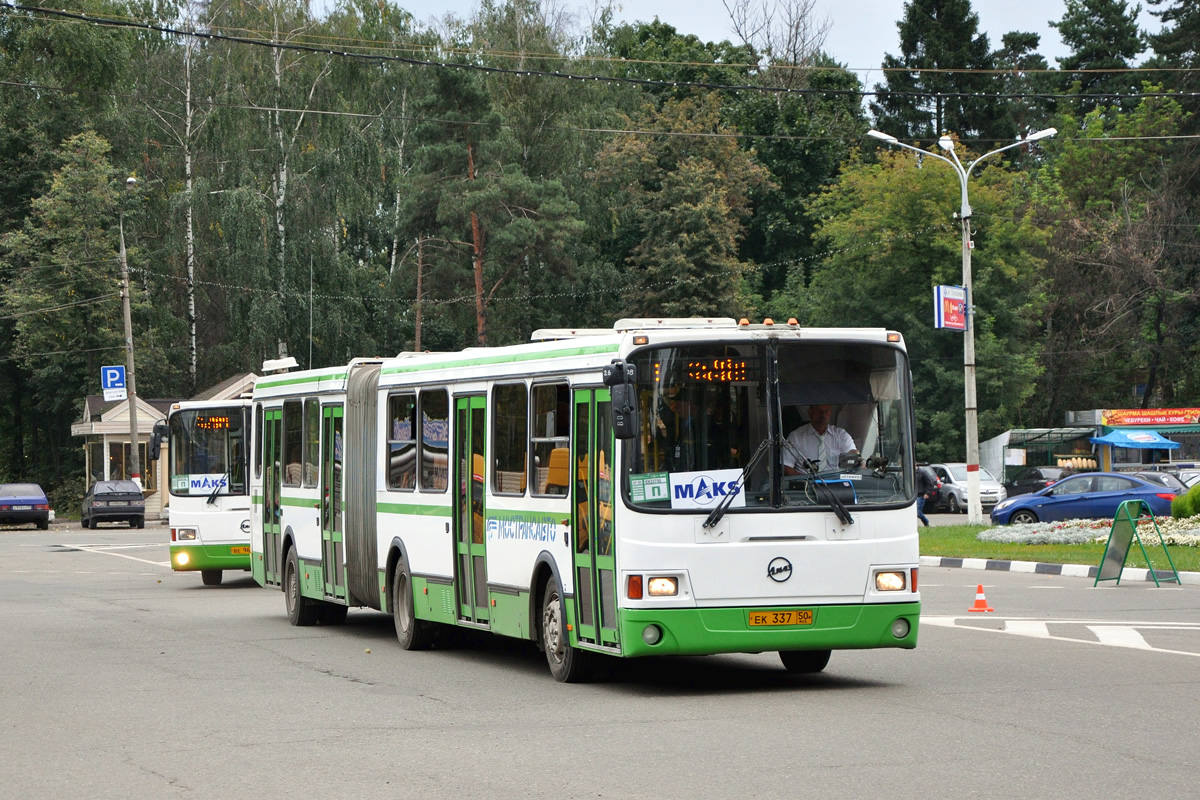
x: 791, y: 616
x: 648, y: 487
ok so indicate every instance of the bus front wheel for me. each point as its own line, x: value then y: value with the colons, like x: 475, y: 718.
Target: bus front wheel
x: 803, y: 662
x: 412, y: 633
x: 567, y: 664
x: 301, y: 611
x: 211, y: 577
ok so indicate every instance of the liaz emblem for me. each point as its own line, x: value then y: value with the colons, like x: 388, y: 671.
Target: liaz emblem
x: 779, y: 570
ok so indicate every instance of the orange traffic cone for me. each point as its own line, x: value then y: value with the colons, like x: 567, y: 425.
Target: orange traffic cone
x: 980, y: 601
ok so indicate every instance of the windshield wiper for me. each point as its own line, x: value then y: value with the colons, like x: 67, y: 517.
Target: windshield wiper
x: 715, y: 515
x: 827, y: 493
x: 212, y: 498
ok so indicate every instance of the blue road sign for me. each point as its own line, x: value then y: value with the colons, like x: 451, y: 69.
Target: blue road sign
x: 112, y: 377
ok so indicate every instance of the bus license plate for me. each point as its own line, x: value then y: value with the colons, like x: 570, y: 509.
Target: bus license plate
x: 795, y: 616
x: 240, y: 550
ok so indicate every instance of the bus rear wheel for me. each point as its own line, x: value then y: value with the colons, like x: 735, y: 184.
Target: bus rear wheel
x: 412, y: 633
x: 301, y: 610
x: 211, y: 577
x: 804, y: 662
x: 567, y: 664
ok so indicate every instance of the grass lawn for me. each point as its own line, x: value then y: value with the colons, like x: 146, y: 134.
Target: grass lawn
x: 958, y: 541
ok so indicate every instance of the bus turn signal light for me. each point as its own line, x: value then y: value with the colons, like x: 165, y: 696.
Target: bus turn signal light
x: 634, y: 587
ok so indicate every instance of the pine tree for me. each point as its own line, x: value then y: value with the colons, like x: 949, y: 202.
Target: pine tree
x: 1102, y: 35
x: 938, y: 35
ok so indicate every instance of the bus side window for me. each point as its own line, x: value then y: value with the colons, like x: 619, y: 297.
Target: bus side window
x: 293, y: 441
x: 549, y: 440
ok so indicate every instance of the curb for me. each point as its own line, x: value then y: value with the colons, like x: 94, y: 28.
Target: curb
x: 1042, y: 568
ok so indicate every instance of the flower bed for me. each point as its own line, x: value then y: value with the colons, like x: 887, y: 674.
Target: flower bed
x: 1179, y: 532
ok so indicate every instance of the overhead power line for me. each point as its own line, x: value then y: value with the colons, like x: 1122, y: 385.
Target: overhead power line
x: 532, y: 73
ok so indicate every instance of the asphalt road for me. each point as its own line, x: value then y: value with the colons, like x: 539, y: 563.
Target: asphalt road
x: 125, y: 680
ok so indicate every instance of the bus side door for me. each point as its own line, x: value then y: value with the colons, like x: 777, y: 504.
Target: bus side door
x: 470, y: 460
x: 332, y: 546
x: 594, y: 547
x: 272, y: 487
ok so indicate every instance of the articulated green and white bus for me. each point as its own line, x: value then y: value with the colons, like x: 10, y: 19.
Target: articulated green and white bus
x: 626, y: 492
x: 209, y: 512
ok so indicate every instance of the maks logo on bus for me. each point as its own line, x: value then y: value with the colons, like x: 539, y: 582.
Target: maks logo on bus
x: 705, y: 489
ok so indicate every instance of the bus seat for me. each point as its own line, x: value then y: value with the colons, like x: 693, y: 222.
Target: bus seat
x: 558, y: 474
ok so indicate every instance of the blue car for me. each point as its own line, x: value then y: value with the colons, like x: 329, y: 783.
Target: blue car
x: 24, y: 503
x: 1091, y: 495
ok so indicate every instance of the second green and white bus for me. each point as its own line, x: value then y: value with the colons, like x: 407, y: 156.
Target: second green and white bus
x: 208, y: 465
x: 599, y: 493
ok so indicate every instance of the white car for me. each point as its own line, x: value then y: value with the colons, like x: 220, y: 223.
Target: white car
x: 952, y: 496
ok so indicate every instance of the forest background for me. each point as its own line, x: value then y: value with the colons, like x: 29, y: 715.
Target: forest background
x: 359, y: 184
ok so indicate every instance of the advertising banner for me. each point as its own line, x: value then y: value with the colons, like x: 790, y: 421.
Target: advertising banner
x: 1113, y: 417
x: 950, y: 307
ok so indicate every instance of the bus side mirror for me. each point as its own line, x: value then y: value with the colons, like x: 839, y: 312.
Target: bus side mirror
x: 157, y: 437
x: 621, y: 378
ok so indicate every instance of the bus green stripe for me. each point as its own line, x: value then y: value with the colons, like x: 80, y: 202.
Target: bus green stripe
x: 271, y: 384
x: 414, y: 509
x: 477, y: 361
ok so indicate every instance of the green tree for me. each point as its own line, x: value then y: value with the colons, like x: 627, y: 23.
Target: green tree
x: 1104, y: 38
x: 64, y: 295
x: 921, y: 99
x: 681, y: 204
x: 889, y: 237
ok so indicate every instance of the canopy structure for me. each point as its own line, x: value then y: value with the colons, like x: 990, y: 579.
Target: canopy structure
x: 1138, y: 439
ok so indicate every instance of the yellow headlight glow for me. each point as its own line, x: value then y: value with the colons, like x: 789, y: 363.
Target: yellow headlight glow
x: 889, y: 581
x: 181, y: 559
x: 663, y: 587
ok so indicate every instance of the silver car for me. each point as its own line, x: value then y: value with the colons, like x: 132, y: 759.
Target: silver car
x: 952, y: 496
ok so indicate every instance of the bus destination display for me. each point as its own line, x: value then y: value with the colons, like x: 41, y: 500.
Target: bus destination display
x: 717, y: 370
x: 212, y: 423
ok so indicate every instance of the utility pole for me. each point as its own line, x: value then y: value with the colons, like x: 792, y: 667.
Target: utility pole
x: 135, y: 461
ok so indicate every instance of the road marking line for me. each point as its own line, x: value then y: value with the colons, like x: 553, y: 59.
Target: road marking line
x: 1027, y: 627
x: 1106, y: 639
x: 93, y: 549
x: 1119, y: 636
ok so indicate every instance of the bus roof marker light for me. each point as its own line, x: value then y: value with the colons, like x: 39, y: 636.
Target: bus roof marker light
x: 743, y: 322
x: 893, y: 337
x: 641, y: 340
x: 768, y: 321
x: 792, y: 322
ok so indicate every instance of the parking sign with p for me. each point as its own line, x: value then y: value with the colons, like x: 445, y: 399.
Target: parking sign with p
x: 112, y: 380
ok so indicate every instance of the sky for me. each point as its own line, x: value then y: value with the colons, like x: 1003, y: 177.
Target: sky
x: 861, y: 31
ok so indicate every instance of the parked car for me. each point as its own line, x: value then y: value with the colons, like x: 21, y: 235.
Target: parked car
x: 113, y: 501
x: 1090, y: 495
x: 1190, y: 477
x: 24, y: 502
x: 1031, y: 479
x: 1167, y: 479
x: 952, y: 496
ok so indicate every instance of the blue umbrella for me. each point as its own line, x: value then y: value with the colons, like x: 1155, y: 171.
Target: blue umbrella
x: 1144, y: 440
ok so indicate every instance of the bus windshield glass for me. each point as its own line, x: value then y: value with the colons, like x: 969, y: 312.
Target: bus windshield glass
x: 828, y: 416
x: 207, y: 451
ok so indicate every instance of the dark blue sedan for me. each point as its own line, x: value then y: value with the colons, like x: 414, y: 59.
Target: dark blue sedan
x: 1092, y: 495
x: 24, y: 503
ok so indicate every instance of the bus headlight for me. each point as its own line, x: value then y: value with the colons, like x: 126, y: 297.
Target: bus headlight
x: 889, y: 581
x: 662, y: 587
x: 185, y: 534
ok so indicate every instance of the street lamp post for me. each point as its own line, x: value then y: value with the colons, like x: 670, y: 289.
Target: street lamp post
x: 974, y: 506
x: 135, y: 461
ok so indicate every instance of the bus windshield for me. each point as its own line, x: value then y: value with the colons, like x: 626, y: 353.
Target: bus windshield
x: 828, y: 416
x: 207, y: 451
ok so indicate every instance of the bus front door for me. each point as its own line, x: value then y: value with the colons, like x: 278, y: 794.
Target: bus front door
x: 332, y: 548
x: 272, y: 442
x: 594, y: 557
x: 469, y: 509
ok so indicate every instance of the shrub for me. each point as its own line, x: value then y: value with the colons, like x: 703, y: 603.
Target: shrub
x: 1187, y: 504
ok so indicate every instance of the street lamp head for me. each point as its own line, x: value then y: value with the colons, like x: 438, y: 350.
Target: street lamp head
x: 881, y: 136
x: 1043, y: 134
x: 946, y: 143
x: 131, y: 183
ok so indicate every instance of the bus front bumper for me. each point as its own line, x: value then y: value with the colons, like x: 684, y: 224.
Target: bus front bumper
x: 189, y: 558
x: 701, y: 631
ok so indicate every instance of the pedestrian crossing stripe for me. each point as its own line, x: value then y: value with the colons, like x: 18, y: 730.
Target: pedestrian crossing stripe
x: 1108, y: 633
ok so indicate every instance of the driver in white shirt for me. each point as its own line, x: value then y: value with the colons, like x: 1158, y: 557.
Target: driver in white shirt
x: 818, y: 441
